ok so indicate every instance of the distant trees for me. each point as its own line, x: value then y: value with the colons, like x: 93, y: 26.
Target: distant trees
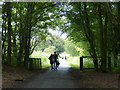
x: 71, y: 48
x: 53, y: 42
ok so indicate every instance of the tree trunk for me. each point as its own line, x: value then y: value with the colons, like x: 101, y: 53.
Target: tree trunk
x: 21, y: 38
x: 90, y: 35
x: 28, y: 33
x: 103, y: 40
x: 9, y: 32
x: 105, y: 43
x: 14, y: 41
x: 118, y: 9
x: 3, y: 33
x: 115, y: 59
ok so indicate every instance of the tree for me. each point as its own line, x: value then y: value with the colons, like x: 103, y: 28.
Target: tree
x: 92, y: 22
x: 71, y: 48
x: 21, y: 21
x: 8, y: 5
x: 52, y: 40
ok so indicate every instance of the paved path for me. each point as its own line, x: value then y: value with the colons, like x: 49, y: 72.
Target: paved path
x: 54, y: 78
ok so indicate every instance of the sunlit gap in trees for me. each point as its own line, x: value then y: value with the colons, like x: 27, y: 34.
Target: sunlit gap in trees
x: 59, y: 33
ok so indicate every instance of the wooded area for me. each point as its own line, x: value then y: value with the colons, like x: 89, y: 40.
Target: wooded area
x: 26, y: 24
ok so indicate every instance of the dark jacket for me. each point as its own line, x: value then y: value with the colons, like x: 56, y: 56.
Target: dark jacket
x: 50, y: 58
x: 55, y: 57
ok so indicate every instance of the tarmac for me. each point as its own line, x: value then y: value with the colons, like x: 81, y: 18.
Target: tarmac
x: 54, y: 78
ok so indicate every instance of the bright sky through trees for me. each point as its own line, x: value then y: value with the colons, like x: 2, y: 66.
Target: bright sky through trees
x: 59, y: 33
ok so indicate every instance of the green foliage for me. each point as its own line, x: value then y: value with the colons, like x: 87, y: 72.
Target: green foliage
x: 84, y: 48
x: 93, y: 23
x: 88, y: 63
x: 74, y: 61
x: 74, y: 65
x: 115, y: 69
x: 51, y: 44
x: 93, y: 27
x: 30, y: 22
x: 71, y: 48
x: 59, y: 44
x: 50, y: 49
x: 43, y: 56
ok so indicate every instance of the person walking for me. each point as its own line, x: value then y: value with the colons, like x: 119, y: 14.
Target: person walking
x: 55, y: 57
x: 51, y: 61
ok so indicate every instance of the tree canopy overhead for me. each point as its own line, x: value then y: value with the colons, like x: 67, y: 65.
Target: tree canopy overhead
x: 91, y: 25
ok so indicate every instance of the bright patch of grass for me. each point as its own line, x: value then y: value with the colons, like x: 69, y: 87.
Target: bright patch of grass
x: 114, y: 69
x: 88, y: 63
x: 75, y: 62
x: 44, y: 58
x: 75, y: 66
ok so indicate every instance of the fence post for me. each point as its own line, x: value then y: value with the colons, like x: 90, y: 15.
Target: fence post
x: 81, y: 63
x: 38, y: 61
x: 28, y: 64
x: 31, y: 64
x: 35, y: 60
x: 109, y: 63
x: 40, y: 64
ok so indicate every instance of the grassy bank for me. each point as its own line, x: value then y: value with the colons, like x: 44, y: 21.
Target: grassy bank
x: 43, y: 56
x: 75, y: 62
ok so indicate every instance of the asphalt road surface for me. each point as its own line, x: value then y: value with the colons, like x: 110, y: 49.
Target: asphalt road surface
x: 54, y: 78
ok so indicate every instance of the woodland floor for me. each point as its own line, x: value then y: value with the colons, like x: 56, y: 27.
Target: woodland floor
x: 13, y: 77
x: 93, y: 79
x: 86, y: 79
